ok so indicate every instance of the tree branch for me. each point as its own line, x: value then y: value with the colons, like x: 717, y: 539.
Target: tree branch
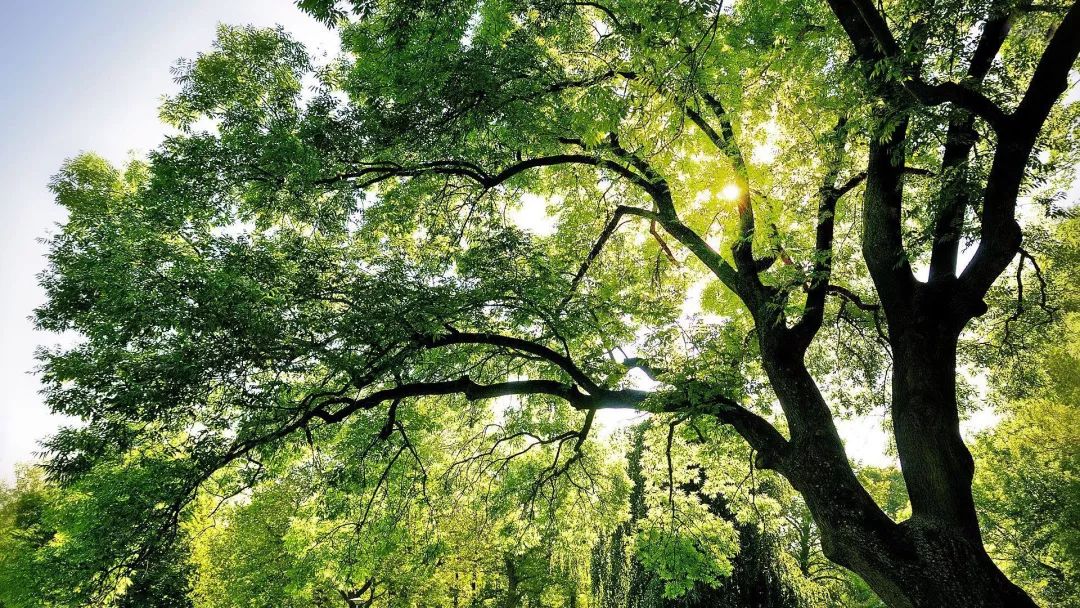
x: 954, y: 196
x: 743, y: 249
x: 562, y: 361
x: 828, y: 195
x: 473, y: 391
x: 1000, y: 234
x: 882, y: 242
x: 874, y: 43
x: 605, y: 234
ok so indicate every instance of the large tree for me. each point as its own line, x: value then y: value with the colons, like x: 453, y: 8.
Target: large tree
x: 321, y: 241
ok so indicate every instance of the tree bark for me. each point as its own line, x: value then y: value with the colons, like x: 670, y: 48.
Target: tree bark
x: 918, y: 564
x: 935, y: 558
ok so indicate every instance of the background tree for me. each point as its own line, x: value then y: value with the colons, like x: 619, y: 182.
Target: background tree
x: 298, y: 257
x: 23, y: 531
x: 755, y: 571
x: 1027, y: 481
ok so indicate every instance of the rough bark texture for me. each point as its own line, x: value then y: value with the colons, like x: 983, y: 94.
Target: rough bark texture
x: 935, y: 558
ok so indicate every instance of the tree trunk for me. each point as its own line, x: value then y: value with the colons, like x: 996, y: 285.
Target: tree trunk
x: 948, y: 565
x: 928, y: 566
x: 919, y: 563
x: 934, y: 559
x: 936, y: 463
x: 513, y: 595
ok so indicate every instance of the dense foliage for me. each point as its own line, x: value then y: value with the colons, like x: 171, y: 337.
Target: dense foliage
x: 332, y: 353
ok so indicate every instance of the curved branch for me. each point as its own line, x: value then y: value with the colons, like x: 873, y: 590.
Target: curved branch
x: 755, y: 430
x: 527, y: 346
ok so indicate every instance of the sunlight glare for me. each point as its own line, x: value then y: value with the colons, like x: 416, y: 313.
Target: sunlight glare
x: 730, y: 192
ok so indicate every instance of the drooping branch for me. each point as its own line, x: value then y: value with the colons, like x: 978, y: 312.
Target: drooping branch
x: 518, y: 344
x: 1023, y: 257
x: 854, y: 298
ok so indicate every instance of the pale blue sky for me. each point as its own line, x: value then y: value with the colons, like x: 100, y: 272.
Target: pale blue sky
x: 83, y: 75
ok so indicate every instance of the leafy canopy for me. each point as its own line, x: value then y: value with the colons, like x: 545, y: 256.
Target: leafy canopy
x: 324, y: 254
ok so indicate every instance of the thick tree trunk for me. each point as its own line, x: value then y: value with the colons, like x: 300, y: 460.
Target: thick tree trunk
x: 934, y: 559
x: 937, y: 466
x: 919, y: 565
x: 937, y: 556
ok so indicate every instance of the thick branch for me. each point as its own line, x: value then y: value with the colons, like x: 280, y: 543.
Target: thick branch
x: 874, y: 43
x: 527, y: 346
x: 379, y: 172
x: 1000, y: 233
x: 471, y: 390
x: 882, y: 244
x: 772, y: 447
x: 1051, y: 75
x: 954, y: 196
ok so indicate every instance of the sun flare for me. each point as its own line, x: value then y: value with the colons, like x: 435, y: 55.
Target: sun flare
x: 730, y: 192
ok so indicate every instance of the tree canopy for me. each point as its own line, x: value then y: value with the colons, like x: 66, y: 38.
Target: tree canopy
x: 335, y: 279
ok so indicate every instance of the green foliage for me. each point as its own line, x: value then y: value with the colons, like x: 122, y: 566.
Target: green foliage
x: 1027, y: 482
x: 323, y: 360
x: 23, y: 531
x: 1028, y: 490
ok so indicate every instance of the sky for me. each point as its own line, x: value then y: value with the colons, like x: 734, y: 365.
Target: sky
x: 84, y: 76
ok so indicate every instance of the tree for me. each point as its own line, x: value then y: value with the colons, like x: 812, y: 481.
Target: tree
x: 293, y: 259
x: 758, y: 573
x: 23, y: 530
x: 1027, y: 491
x: 1027, y: 480
x: 53, y: 539
x: 429, y: 515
